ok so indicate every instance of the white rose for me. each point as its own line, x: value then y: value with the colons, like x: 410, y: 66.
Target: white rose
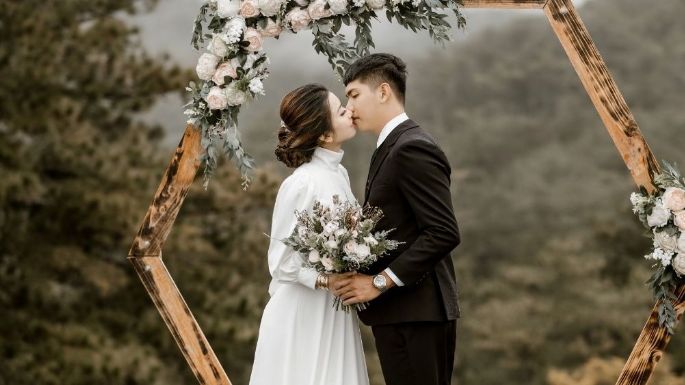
x: 272, y: 29
x: 363, y: 251
x: 256, y: 86
x: 317, y: 10
x: 235, y: 96
x: 358, y: 3
x: 270, y: 7
x: 218, y: 47
x: 225, y: 69
x: 233, y: 30
x: 678, y: 264
x: 371, y: 241
x: 679, y: 220
x: 681, y: 243
x: 327, y: 263
x: 314, y: 256
x: 249, y: 8
x: 659, y: 216
x: 665, y: 241
x: 339, y: 233
x: 227, y: 8
x: 331, y: 244
x: 338, y: 7
x: 206, y: 65
x: 298, y: 19
x: 674, y: 199
x: 330, y: 228
x: 254, y: 38
x: 216, y: 99
x: 375, y: 4
x: 350, y: 247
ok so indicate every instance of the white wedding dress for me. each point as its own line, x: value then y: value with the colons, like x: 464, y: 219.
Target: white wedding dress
x: 302, y: 339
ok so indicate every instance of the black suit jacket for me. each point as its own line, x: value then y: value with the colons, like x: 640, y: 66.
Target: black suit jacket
x: 409, y: 180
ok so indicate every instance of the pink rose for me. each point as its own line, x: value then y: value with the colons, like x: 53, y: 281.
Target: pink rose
x: 679, y: 220
x: 272, y: 29
x: 298, y: 19
x: 674, y: 199
x: 216, y: 99
x: 254, y: 38
x: 317, y: 10
x: 225, y: 69
x: 249, y: 8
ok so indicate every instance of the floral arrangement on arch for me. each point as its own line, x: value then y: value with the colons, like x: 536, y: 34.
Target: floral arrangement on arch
x: 663, y: 213
x: 233, y: 68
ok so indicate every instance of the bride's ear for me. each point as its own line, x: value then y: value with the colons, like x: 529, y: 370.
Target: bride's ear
x: 326, y: 138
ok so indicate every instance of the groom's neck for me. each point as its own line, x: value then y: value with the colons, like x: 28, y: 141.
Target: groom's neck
x: 387, y: 115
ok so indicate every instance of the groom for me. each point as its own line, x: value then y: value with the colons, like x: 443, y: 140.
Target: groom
x: 414, y: 308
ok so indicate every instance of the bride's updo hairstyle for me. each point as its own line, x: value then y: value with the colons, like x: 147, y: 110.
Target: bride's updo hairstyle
x: 305, y: 116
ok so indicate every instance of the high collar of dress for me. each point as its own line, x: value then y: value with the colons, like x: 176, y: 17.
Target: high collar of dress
x: 329, y: 158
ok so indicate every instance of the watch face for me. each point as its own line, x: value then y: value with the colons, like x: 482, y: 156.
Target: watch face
x: 379, y: 281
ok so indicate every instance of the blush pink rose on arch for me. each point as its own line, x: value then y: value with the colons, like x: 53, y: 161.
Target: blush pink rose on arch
x: 674, y: 199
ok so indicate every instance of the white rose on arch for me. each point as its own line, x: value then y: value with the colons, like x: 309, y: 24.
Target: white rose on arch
x: 206, y: 66
x: 659, y: 216
x: 674, y: 199
x: 317, y: 10
x: 233, y: 30
x: 681, y: 243
x: 298, y: 19
x: 665, y: 241
x: 678, y: 264
x: 375, y: 4
x: 338, y: 7
x: 234, y: 96
x: 227, y: 8
x: 270, y: 7
x: 218, y: 47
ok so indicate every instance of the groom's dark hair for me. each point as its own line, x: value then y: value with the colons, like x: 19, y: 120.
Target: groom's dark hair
x: 380, y: 68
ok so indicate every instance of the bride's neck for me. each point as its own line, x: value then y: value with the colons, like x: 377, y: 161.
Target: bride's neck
x: 337, y: 147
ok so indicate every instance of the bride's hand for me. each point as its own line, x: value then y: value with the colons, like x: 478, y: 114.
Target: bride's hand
x: 333, y: 278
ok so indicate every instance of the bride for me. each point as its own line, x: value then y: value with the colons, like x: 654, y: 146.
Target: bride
x: 302, y: 339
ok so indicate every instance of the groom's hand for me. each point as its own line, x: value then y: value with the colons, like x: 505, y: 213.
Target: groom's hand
x: 356, y: 289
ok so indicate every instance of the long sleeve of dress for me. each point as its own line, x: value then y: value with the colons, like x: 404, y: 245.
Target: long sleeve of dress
x: 285, y: 264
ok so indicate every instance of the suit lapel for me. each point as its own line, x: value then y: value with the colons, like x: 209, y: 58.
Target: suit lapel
x: 382, y: 152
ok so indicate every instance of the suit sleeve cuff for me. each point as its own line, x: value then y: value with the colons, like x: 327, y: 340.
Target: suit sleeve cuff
x: 394, y: 278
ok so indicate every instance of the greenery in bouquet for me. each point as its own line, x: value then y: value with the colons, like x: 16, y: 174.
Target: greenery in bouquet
x: 339, y: 238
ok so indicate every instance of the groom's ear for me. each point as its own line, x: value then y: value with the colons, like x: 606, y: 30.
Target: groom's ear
x: 384, y: 92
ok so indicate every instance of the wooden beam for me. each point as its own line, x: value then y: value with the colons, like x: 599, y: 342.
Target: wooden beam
x: 634, y: 150
x: 603, y: 92
x: 650, y: 347
x: 146, y: 252
x: 170, y: 194
x: 178, y: 317
x: 509, y: 4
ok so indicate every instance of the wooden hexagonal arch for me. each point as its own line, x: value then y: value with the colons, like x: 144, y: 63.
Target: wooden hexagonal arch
x: 146, y: 252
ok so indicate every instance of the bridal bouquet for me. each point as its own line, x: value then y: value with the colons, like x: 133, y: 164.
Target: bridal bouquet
x: 339, y: 238
x: 663, y: 213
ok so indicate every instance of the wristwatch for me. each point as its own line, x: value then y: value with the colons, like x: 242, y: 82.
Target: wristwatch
x: 380, y: 283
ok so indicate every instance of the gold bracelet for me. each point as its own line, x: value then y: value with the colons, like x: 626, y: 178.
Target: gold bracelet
x: 321, y: 281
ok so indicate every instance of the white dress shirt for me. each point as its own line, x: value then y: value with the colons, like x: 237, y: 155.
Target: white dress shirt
x: 387, y: 129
